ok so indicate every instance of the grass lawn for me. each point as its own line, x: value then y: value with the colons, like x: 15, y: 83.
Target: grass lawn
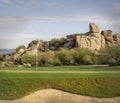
x: 98, y: 81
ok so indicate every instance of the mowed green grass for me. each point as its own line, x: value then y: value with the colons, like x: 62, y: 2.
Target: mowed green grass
x: 97, y: 81
x: 64, y: 68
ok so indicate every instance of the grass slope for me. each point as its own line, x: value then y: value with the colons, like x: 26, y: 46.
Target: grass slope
x: 94, y: 81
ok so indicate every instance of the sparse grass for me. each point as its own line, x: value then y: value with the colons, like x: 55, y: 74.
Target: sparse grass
x: 98, y: 82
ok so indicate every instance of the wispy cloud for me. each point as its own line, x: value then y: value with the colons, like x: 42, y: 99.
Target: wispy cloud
x: 8, y: 2
x: 84, y: 19
x: 25, y: 27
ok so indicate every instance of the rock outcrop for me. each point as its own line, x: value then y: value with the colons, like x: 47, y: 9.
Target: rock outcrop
x: 108, y: 36
x: 34, y: 44
x: 116, y: 37
x: 94, y: 28
x: 18, y: 53
x: 33, y: 47
x: 93, y: 40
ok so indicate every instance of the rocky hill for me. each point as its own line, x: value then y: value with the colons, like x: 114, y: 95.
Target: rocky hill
x: 93, y: 40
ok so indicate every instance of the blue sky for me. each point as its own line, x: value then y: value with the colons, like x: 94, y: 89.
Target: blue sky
x: 24, y: 20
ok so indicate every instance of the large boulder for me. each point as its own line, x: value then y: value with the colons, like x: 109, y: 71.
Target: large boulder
x: 107, y: 35
x: 116, y: 37
x: 94, y: 28
x: 35, y: 44
x: 8, y: 58
x: 33, y: 47
x: 93, y: 41
x: 18, y: 53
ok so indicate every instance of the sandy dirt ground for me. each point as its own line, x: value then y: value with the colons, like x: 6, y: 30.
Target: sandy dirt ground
x: 57, y: 96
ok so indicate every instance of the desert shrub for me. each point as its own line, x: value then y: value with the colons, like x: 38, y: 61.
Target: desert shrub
x: 82, y: 56
x: 54, y: 41
x: 20, y: 47
x: 110, y: 55
x: 62, y: 41
x: 28, y: 59
x: 57, y: 42
x: 56, y: 61
x: 67, y: 57
x: 47, y: 57
x: 64, y: 56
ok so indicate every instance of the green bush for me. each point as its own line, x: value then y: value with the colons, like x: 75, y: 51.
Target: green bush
x: 110, y: 55
x: 82, y: 56
x: 67, y: 57
x: 64, y: 56
x: 20, y: 47
x: 28, y: 59
x: 76, y: 56
x: 46, y: 58
x: 57, y: 42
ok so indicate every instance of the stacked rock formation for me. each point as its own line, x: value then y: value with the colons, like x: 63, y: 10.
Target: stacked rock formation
x: 92, y: 40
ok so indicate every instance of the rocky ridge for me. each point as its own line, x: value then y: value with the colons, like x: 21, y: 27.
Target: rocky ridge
x: 93, y: 40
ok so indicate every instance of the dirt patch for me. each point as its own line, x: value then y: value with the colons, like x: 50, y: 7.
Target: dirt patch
x: 57, y: 96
